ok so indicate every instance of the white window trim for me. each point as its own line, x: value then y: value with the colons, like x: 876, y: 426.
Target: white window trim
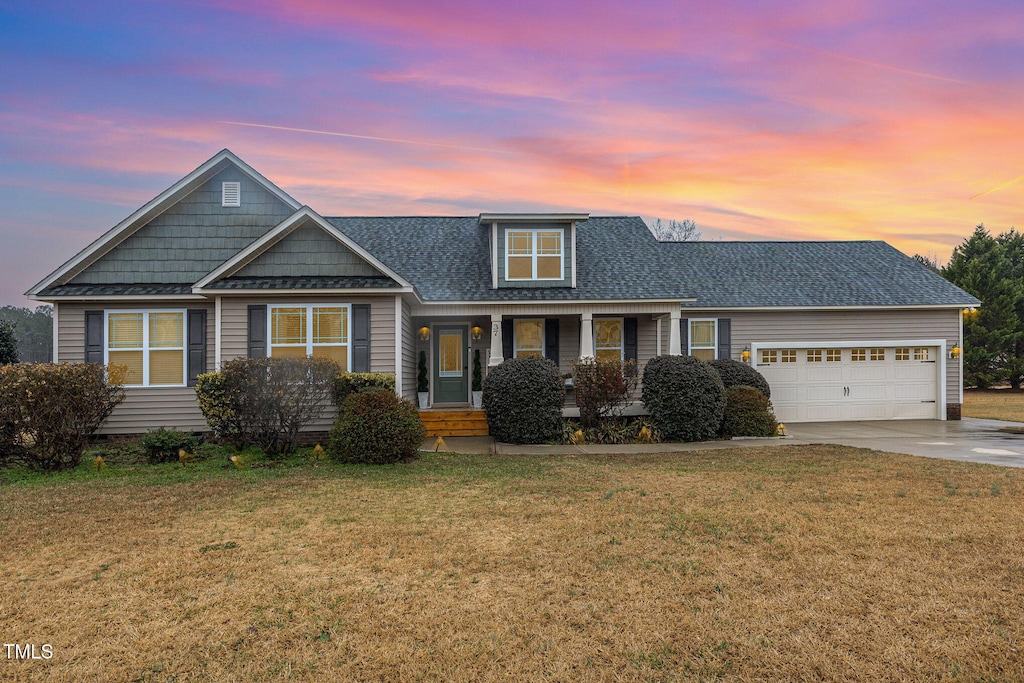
x: 689, y: 336
x: 145, y: 345
x: 533, y: 254
x: 309, y: 329
x: 515, y: 336
x: 622, y: 339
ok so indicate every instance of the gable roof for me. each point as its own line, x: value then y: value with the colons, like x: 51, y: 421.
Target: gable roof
x: 807, y: 274
x: 447, y: 258
x: 151, y: 210
x: 304, y: 216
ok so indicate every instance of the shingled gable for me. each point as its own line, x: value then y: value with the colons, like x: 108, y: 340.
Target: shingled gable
x: 224, y: 163
x: 341, y: 263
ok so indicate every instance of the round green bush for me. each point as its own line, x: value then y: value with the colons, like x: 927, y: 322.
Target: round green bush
x: 375, y: 427
x: 737, y: 374
x: 684, y: 396
x: 748, y: 412
x: 523, y: 400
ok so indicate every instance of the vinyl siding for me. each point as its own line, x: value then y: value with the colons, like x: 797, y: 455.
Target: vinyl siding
x: 192, y: 237
x: 308, y: 252
x: 812, y: 326
x: 409, y: 356
x: 144, y: 408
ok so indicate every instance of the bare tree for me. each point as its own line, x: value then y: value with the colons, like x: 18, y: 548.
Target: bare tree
x: 676, y: 231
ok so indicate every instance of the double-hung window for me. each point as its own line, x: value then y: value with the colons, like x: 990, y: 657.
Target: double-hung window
x: 150, y: 345
x: 529, y: 338
x: 534, y: 254
x: 608, y: 338
x: 703, y: 339
x: 320, y: 331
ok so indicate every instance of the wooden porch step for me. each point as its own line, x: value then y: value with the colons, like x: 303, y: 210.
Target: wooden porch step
x: 454, y: 422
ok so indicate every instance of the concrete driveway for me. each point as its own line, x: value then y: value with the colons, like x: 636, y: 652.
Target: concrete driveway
x: 970, y: 440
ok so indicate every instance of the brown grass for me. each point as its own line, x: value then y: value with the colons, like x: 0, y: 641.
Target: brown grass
x: 784, y: 563
x: 994, y: 404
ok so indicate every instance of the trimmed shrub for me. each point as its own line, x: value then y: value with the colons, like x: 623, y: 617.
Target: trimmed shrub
x: 48, y: 411
x: 737, y: 374
x: 347, y: 382
x: 685, y: 397
x: 523, y: 400
x: 162, y: 445
x: 376, y: 427
x: 267, y: 401
x: 748, y: 412
x: 603, y: 388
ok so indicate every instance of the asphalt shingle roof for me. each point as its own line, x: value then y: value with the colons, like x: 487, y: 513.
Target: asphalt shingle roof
x: 448, y: 259
x: 115, y: 290
x: 307, y: 282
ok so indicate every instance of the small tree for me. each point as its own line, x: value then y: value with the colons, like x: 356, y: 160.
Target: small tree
x: 478, y: 375
x: 421, y: 377
x: 603, y: 388
x: 676, y: 231
x: 8, y: 344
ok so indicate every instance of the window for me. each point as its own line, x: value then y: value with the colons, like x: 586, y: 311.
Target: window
x: 789, y: 356
x: 320, y: 331
x: 608, y: 338
x: 769, y: 356
x: 529, y: 338
x: 903, y: 354
x: 533, y: 254
x: 703, y: 339
x: 149, y: 344
x: 813, y: 355
x: 231, y: 194
x: 859, y: 355
x: 833, y: 355
x: 877, y: 354
x: 921, y: 353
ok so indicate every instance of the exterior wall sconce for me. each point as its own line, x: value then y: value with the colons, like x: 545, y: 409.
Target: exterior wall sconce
x: 745, y: 355
x: 477, y: 332
x: 954, y: 352
x: 424, y: 333
x: 970, y: 313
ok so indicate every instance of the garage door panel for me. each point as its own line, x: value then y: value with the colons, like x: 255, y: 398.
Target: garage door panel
x: 817, y: 391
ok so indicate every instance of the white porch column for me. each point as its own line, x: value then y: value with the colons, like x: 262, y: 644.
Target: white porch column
x: 674, y: 341
x: 586, y: 335
x: 497, y: 352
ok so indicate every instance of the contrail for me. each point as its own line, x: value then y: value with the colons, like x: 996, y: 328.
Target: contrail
x: 877, y: 65
x: 366, y: 137
x: 999, y: 187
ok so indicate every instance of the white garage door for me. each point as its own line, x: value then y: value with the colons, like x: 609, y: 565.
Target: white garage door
x: 832, y: 384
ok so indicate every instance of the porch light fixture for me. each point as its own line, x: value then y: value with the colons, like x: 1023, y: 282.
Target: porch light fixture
x: 746, y: 354
x: 477, y: 332
x: 424, y: 333
x: 954, y: 352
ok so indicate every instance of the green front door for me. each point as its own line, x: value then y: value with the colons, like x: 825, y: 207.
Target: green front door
x: 451, y: 365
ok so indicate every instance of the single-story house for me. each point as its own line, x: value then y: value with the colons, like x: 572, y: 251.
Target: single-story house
x: 224, y: 264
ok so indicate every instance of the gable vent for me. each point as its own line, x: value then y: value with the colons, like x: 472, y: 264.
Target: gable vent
x: 231, y: 194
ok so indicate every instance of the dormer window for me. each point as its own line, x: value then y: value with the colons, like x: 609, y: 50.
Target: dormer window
x: 534, y: 254
x: 231, y: 193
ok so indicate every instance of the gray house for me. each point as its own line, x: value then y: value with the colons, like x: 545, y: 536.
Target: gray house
x: 225, y: 264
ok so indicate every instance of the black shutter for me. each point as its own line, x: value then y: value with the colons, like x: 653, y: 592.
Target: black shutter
x: 725, y: 338
x: 629, y: 342
x: 551, y: 339
x: 684, y: 336
x: 196, y: 344
x: 360, y: 337
x: 257, y: 331
x: 506, y: 339
x: 94, y: 337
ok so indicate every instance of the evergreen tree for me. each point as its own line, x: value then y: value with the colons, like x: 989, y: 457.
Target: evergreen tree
x: 8, y: 345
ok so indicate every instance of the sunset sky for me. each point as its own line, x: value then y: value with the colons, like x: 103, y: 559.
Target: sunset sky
x: 900, y: 121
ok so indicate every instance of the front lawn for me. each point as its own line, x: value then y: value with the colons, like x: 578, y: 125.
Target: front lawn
x: 782, y: 563
x: 994, y: 404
